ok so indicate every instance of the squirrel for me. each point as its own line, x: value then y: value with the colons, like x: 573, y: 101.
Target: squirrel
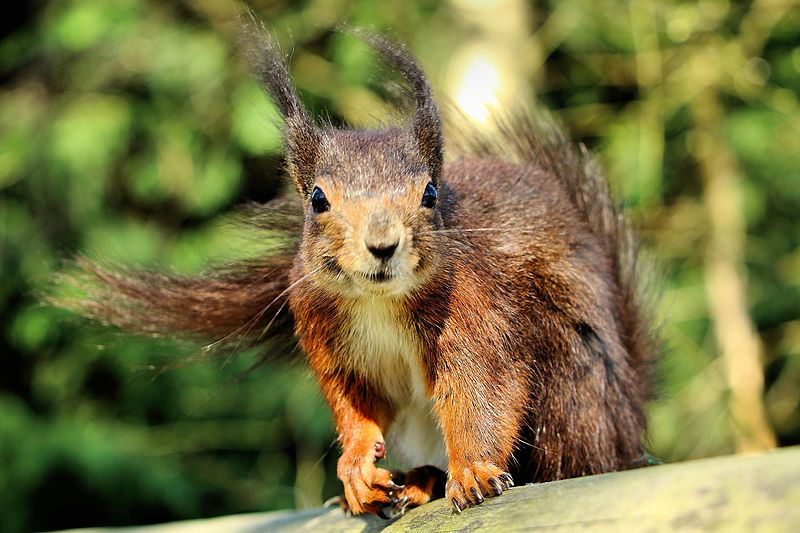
x: 479, y: 318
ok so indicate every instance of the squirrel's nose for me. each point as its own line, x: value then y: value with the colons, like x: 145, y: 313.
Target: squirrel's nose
x: 382, y: 252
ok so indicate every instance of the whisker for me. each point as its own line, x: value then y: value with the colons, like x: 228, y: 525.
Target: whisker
x: 266, y: 328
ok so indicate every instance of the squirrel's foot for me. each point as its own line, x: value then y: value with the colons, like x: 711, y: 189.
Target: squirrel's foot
x: 470, y: 484
x: 420, y: 485
x: 367, y: 489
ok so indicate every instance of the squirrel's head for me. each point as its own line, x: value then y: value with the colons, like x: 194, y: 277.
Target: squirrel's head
x: 370, y: 197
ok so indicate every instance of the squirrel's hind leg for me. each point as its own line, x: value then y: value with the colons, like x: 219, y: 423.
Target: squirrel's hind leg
x: 420, y: 485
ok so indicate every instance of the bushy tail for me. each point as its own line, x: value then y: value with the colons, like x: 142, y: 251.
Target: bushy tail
x: 243, y: 302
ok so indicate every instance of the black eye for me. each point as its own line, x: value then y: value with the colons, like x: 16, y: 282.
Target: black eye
x: 429, y: 196
x: 319, y: 204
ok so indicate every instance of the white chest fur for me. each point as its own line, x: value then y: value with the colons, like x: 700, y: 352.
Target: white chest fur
x: 386, y: 351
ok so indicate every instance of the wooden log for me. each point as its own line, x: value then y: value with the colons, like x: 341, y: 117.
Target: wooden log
x: 751, y: 492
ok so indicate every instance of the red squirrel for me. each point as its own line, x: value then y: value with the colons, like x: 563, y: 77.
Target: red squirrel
x: 476, y: 317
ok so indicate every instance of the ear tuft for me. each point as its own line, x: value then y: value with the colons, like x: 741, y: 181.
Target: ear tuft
x: 302, y: 138
x: 427, y: 126
x: 302, y: 141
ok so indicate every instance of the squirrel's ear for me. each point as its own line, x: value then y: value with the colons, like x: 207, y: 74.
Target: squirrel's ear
x: 302, y: 138
x: 427, y: 125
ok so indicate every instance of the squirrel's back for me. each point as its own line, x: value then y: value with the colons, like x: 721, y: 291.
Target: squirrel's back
x: 549, y: 194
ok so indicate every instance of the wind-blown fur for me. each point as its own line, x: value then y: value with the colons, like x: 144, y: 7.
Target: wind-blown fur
x: 236, y: 304
x: 487, y: 306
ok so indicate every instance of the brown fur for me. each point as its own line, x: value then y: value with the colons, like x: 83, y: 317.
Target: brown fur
x: 510, y: 308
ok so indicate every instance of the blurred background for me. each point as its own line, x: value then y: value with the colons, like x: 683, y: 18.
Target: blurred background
x: 130, y: 131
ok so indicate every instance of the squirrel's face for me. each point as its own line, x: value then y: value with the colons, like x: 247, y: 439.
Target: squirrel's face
x: 371, y: 215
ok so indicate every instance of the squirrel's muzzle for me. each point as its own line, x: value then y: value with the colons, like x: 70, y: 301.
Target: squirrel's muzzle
x: 382, y: 236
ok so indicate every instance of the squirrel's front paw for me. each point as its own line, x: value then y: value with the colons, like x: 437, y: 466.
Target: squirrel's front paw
x: 367, y: 489
x: 471, y: 483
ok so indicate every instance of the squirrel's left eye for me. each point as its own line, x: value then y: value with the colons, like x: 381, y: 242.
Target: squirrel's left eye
x: 429, y: 196
x: 319, y: 204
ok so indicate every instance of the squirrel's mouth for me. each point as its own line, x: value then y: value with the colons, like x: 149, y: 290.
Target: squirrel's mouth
x: 379, y: 277
x: 376, y: 277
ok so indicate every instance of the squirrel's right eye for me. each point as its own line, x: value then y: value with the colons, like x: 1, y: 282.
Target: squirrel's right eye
x: 319, y: 204
x: 429, y: 196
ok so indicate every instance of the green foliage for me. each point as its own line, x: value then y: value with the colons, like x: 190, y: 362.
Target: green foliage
x: 129, y: 132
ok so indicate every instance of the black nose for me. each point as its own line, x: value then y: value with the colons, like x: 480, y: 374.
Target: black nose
x: 382, y: 252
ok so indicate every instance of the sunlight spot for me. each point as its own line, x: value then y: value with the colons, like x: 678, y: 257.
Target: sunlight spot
x: 477, y: 91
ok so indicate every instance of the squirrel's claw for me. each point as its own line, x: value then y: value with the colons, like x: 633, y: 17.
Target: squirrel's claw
x: 473, y: 483
x: 336, y: 501
x: 495, y: 485
x: 394, y: 486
